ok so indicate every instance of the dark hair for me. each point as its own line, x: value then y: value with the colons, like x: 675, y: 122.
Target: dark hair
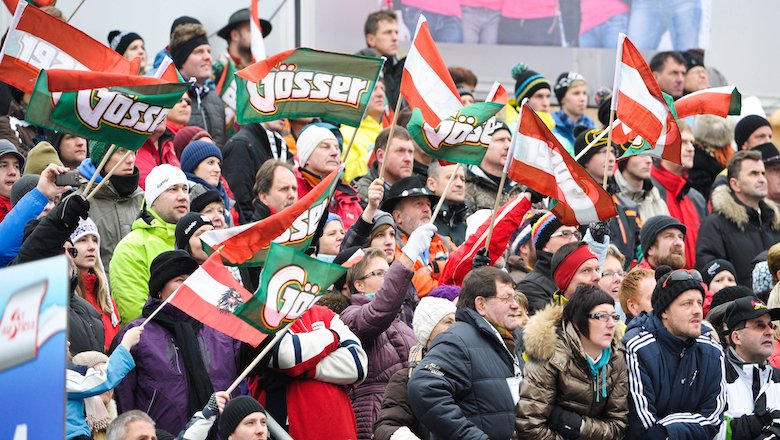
x: 585, y: 298
x: 264, y: 179
x: 735, y: 164
x: 404, y: 116
x: 373, y: 19
x: 563, y: 252
x: 481, y: 282
x: 462, y: 76
x: 382, y: 139
x: 658, y: 61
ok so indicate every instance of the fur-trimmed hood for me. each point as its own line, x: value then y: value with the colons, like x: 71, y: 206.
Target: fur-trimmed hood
x: 714, y: 131
x: 725, y: 204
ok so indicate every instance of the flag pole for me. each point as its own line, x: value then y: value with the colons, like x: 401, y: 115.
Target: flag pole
x: 74, y: 11
x: 495, y: 207
x: 159, y: 308
x: 110, y: 173
x: 259, y: 357
x: 103, y: 161
x: 444, y: 194
x: 609, y: 145
x: 390, y: 135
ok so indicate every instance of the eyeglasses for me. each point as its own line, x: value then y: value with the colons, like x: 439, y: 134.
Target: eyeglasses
x: 509, y: 299
x: 377, y: 273
x: 605, y: 317
x: 185, y: 99
x: 566, y: 234
x: 609, y: 274
x: 682, y: 275
x: 760, y: 326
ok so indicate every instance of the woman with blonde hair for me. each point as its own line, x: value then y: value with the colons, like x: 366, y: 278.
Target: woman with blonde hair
x: 93, y: 283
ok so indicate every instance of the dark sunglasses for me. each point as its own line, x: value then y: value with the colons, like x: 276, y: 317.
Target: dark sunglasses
x: 682, y: 275
x: 185, y: 99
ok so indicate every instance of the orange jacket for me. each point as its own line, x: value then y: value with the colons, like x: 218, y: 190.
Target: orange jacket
x: 426, y: 276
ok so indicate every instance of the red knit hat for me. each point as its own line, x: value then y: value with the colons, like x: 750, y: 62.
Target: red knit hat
x: 187, y: 135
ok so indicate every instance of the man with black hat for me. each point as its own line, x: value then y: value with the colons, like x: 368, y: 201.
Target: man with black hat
x: 72, y: 150
x: 751, y: 131
x: 696, y: 77
x: 675, y: 367
x: 244, y: 418
x: 239, y: 38
x: 410, y: 203
x: 771, y: 158
x: 663, y: 243
x: 752, y: 385
x: 482, y: 181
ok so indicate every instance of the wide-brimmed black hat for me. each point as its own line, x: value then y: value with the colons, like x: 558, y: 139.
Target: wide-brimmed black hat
x: 410, y: 186
x: 769, y: 153
x: 239, y: 17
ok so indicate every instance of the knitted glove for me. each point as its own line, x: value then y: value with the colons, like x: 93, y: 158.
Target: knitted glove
x: 598, y: 230
x: 419, y: 241
x: 71, y: 209
x: 535, y: 196
x: 211, y: 408
x: 564, y: 422
x: 481, y: 259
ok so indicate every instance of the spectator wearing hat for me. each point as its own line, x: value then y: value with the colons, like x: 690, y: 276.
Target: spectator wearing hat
x: 432, y: 317
x: 696, y: 77
x: 399, y: 155
x: 93, y: 282
x: 239, y: 39
x: 663, y: 243
x: 201, y: 162
x: 571, y: 91
x: 194, y: 359
x: 319, y: 155
x: 744, y: 222
x: 130, y: 45
x: 165, y: 51
x: 11, y: 165
x: 532, y: 85
x: 712, y: 150
x: 451, y: 220
x: 558, y: 397
x: 378, y: 292
x: 634, y: 183
x: 635, y: 293
x: 154, y: 232
x: 718, y: 274
x: 381, y: 35
x: 188, y: 232
x: 771, y: 158
x: 244, y: 418
x: 548, y: 234
x: 185, y: 135
x: 32, y: 197
x: 671, y: 346
x: 751, y: 131
x: 72, y: 150
x: 191, y: 53
x: 720, y: 304
x: 482, y: 181
x: 669, y: 71
x: 100, y: 410
x: 410, y: 203
x: 117, y: 203
x: 684, y: 203
x: 331, y: 239
x: 178, y: 118
x: 520, y: 255
x: 623, y: 229
x: 752, y: 386
x: 367, y: 133
x: 245, y: 153
x: 574, y: 265
x: 39, y: 157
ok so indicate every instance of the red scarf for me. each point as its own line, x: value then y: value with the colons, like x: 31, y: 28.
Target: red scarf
x: 680, y: 207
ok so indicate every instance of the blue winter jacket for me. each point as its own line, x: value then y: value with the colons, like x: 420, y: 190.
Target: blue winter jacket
x: 12, y: 226
x: 677, y: 384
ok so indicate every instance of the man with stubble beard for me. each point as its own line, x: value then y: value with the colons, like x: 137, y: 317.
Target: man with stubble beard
x: 663, y: 243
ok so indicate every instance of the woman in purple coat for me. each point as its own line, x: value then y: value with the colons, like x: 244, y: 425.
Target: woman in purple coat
x: 378, y: 292
x: 179, y: 362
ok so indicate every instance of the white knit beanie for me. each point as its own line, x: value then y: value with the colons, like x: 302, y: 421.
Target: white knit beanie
x: 428, y: 313
x: 85, y: 227
x: 310, y: 137
x: 160, y: 179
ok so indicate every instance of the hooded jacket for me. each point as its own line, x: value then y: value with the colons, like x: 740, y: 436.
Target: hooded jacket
x: 538, y: 286
x: 112, y: 212
x: 737, y: 233
x: 158, y: 384
x: 461, y: 388
x: 674, y: 383
x: 148, y: 156
x: 129, y: 269
x: 451, y: 221
x: 386, y: 340
x: 557, y: 373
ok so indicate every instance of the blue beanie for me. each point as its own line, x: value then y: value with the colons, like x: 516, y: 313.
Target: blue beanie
x: 197, y: 152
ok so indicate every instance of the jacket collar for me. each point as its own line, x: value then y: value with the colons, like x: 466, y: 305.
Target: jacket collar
x: 479, y: 174
x: 671, y: 343
x: 726, y: 204
x: 453, y: 213
x: 676, y: 185
x: 543, y: 263
x: 628, y: 190
x: 474, y: 319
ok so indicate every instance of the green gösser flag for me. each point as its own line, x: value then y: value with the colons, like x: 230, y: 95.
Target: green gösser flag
x: 291, y: 282
x: 113, y: 108
x: 304, y: 82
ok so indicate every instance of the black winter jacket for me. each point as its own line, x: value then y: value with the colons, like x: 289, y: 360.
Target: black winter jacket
x: 451, y: 221
x: 208, y: 113
x: 538, y: 286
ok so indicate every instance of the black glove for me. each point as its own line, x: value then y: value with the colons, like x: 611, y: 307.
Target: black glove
x: 564, y: 422
x: 535, y: 196
x: 70, y: 210
x: 480, y: 259
x: 211, y: 408
x: 598, y: 230
x: 656, y: 432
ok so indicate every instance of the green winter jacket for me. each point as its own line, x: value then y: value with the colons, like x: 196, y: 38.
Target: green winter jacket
x: 129, y: 271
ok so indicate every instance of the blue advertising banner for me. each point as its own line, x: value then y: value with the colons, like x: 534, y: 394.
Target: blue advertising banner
x: 33, y: 321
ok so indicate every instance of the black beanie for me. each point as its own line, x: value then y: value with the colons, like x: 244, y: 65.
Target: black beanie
x: 183, y: 20
x: 54, y: 138
x: 729, y: 294
x: 653, y: 226
x: 200, y: 201
x: 527, y: 82
x: 715, y: 267
x: 23, y: 186
x: 563, y: 83
x: 167, y: 266
x: 583, y: 139
x: 120, y: 41
x: 186, y: 228
x: 664, y: 295
x: 746, y: 126
x: 234, y: 413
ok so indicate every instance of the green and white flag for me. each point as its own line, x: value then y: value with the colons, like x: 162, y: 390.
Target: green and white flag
x: 304, y: 82
x: 114, y: 108
x: 291, y: 282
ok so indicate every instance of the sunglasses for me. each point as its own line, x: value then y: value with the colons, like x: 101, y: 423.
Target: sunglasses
x: 185, y: 99
x: 682, y: 275
x: 605, y: 317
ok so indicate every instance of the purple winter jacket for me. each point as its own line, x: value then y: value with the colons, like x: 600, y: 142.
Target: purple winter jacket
x: 158, y: 384
x: 386, y: 340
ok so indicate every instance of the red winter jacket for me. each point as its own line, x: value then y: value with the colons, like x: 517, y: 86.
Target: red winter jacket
x: 148, y: 157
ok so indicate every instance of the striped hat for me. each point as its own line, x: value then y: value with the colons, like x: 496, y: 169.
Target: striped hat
x: 543, y: 229
x: 527, y: 82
